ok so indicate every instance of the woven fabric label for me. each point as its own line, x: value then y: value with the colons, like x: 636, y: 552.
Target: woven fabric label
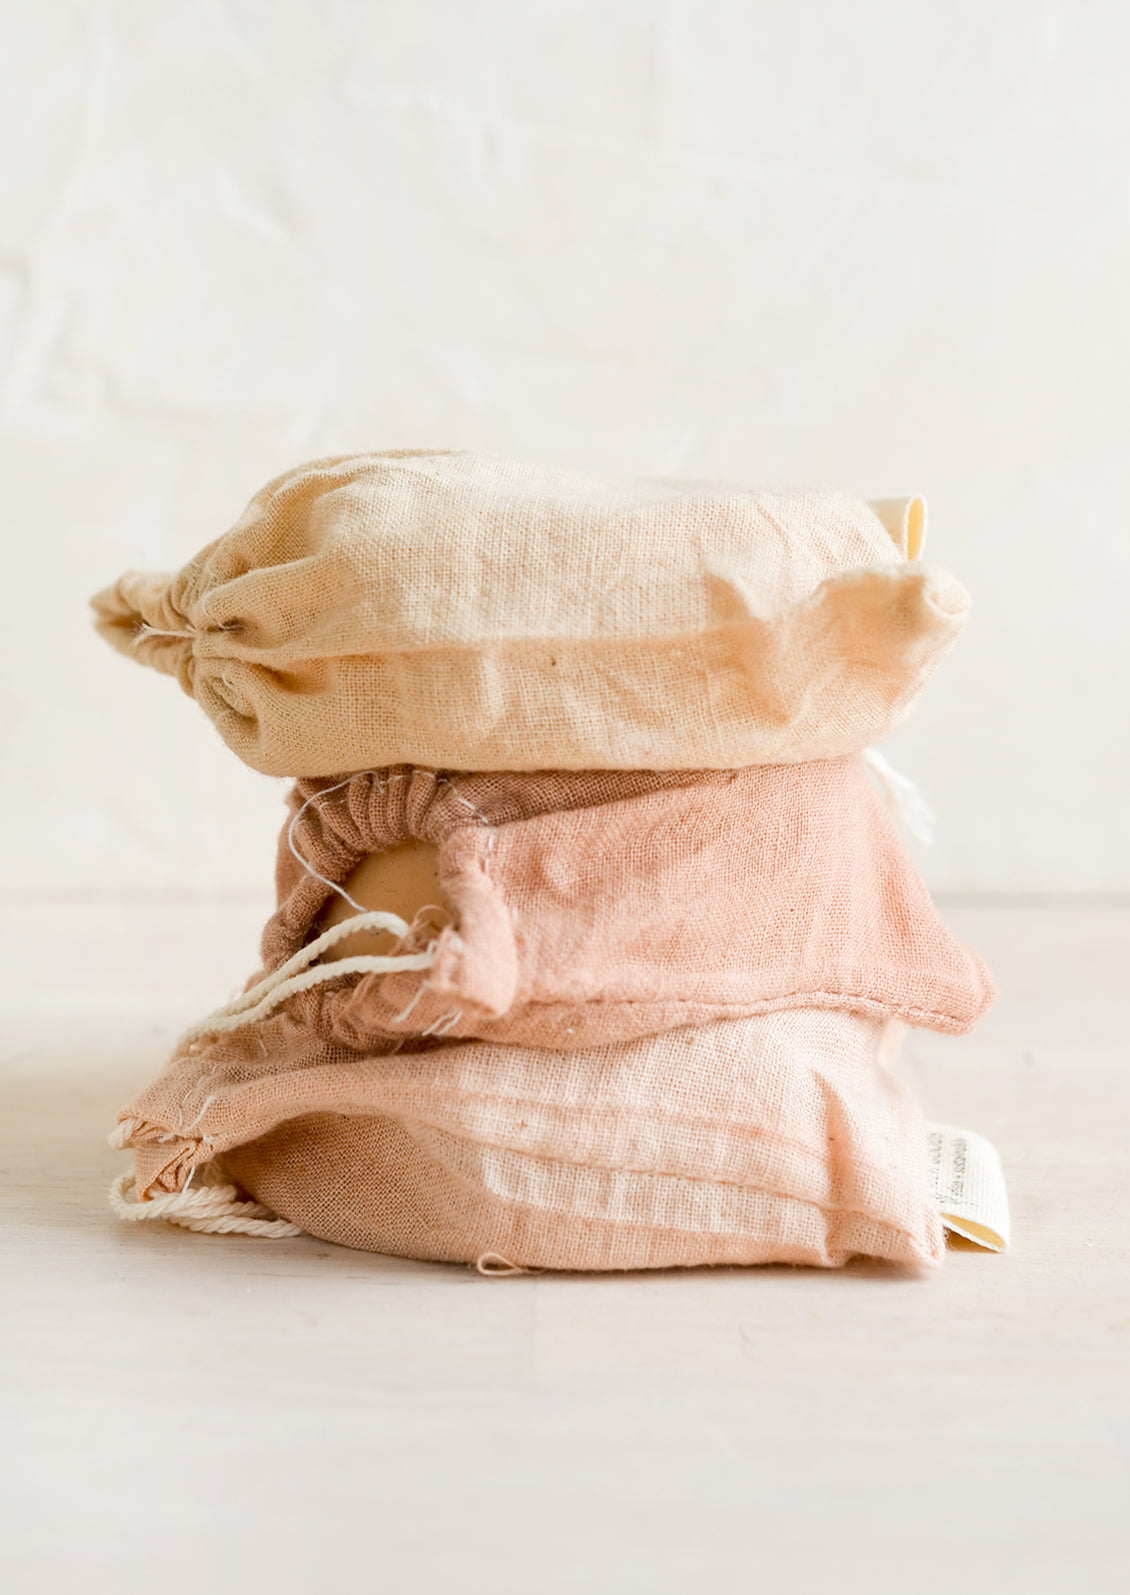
x: 967, y: 1183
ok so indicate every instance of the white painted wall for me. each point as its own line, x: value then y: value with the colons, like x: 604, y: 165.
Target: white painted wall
x: 884, y: 244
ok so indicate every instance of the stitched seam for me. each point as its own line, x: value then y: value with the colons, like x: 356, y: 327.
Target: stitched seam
x: 849, y: 1001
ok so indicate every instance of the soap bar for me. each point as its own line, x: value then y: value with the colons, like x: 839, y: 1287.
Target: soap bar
x: 404, y: 880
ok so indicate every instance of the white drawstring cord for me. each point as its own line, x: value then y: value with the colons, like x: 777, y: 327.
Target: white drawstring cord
x: 211, y: 1209
x: 295, y: 975
x: 902, y: 796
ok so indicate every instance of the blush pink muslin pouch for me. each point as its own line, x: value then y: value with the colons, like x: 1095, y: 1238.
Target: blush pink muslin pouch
x: 457, y: 609
x: 599, y: 906
x: 781, y: 1138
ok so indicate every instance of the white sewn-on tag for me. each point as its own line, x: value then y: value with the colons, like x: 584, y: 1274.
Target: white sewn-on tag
x: 967, y: 1183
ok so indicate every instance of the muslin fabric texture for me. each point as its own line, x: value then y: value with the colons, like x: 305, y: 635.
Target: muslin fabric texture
x: 779, y: 1138
x: 460, y: 610
x: 605, y: 905
x: 683, y: 936
x: 680, y: 992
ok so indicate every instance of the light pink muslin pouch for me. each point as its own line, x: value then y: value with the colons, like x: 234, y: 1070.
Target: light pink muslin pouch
x: 781, y: 1138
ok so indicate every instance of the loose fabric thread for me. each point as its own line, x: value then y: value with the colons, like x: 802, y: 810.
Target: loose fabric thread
x: 309, y: 868
x: 492, y: 1265
x: 145, y: 631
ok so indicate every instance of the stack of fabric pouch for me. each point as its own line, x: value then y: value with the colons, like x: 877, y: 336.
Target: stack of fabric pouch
x: 593, y: 942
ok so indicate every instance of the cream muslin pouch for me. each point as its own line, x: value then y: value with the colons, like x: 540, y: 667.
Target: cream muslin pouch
x: 468, y: 611
x: 604, y: 905
x: 782, y: 1138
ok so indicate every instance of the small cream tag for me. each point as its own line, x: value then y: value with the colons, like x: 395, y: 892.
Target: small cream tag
x: 967, y: 1182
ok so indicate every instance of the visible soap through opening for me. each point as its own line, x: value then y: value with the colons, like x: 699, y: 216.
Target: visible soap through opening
x: 915, y: 528
x: 403, y: 880
x: 904, y: 520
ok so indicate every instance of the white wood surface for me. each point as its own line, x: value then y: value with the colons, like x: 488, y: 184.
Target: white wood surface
x: 185, y: 1412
